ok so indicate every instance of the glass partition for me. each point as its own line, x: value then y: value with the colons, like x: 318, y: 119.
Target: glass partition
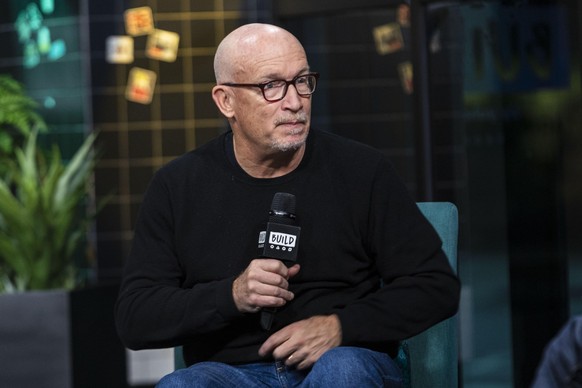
x: 500, y: 100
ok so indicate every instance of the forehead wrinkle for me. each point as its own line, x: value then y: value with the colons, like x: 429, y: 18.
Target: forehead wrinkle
x: 273, y: 64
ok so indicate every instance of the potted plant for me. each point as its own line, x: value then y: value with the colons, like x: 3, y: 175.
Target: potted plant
x: 18, y: 118
x: 55, y: 330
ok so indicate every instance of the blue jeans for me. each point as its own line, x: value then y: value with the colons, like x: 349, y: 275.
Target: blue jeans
x: 561, y: 364
x: 342, y: 367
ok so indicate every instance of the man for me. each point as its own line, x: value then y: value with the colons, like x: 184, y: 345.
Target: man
x: 561, y: 363
x: 193, y: 277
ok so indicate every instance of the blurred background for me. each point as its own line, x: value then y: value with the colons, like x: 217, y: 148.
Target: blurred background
x: 475, y: 102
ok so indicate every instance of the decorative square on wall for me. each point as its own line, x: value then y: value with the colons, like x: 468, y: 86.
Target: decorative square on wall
x: 388, y: 38
x: 140, y: 85
x: 138, y: 21
x: 119, y: 49
x: 163, y: 45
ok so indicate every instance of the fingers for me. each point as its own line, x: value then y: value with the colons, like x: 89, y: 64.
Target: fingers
x: 282, y: 346
x: 264, y: 283
x: 302, y: 343
x: 275, y: 341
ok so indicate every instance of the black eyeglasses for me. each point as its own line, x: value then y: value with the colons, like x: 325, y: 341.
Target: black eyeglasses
x: 277, y: 90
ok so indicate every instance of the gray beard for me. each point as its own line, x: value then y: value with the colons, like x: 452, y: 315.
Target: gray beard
x: 286, y: 147
x: 282, y: 146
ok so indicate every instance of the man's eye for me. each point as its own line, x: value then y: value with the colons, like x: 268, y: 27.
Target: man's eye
x: 301, y: 80
x: 274, y: 84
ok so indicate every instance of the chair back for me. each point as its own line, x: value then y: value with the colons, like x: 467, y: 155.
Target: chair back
x: 433, y: 354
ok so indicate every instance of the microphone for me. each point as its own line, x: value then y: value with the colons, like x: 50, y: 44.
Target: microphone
x: 280, y: 240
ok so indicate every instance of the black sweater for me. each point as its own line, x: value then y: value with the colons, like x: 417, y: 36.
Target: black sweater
x: 198, y: 229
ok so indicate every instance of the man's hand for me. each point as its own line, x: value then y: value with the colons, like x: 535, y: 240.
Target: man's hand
x: 303, y: 342
x: 263, y: 284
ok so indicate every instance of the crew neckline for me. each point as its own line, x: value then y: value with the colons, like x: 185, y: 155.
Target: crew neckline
x: 242, y: 174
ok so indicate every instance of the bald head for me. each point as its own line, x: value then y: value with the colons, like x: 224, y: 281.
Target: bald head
x: 245, y: 45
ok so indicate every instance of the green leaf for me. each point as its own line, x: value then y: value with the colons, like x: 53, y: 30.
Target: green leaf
x: 43, y: 219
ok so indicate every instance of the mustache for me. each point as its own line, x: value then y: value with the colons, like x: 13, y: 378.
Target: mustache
x: 300, y: 117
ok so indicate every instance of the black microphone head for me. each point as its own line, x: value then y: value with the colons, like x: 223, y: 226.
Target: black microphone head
x: 283, y: 202
x: 283, y: 208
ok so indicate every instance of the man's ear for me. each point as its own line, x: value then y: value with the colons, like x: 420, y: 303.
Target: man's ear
x: 224, y: 100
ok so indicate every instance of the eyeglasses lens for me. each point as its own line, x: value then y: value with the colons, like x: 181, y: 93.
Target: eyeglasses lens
x: 277, y: 90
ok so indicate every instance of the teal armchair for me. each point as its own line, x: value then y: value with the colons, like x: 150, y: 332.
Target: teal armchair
x: 429, y: 359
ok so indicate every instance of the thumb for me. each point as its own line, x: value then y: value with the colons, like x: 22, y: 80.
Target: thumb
x: 293, y: 270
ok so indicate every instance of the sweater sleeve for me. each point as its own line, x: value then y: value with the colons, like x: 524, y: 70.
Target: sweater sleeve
x: 153, y: 310
x: 419, y: 287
